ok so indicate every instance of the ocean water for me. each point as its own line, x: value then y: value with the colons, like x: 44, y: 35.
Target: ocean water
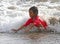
x: 15, y: 13
x: 31, y: 38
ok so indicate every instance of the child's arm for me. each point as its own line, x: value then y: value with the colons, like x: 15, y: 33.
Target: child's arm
x: 30, y: 27
x: 26, y: 24
x: 20, y: 28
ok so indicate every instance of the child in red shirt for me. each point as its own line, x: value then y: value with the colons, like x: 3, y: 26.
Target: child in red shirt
x: 34, y: 20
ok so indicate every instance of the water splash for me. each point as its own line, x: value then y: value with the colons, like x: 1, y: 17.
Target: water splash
x: 13, y: 18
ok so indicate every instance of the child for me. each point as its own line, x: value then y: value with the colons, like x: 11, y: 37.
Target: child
x: 34, y: 20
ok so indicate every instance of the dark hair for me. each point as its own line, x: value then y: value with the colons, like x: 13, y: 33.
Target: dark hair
x: 34, y: 9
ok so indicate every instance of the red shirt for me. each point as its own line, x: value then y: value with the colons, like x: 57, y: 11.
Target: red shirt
x: 36, y: 22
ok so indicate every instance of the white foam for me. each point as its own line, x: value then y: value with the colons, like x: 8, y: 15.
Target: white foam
x: 14, y: 18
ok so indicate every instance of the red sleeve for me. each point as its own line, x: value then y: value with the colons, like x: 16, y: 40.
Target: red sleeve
x: 44, y: 24
x: 28, y: 22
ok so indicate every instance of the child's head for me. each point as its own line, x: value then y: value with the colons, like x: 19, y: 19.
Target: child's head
x: 33, y: 12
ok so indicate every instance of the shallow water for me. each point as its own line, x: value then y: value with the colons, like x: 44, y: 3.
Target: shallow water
x: 30, y: 38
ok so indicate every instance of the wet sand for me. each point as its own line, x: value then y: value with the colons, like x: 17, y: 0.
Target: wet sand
x: 29, y: 38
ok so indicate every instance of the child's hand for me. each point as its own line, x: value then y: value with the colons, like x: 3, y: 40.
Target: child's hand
x: 14, y: 30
